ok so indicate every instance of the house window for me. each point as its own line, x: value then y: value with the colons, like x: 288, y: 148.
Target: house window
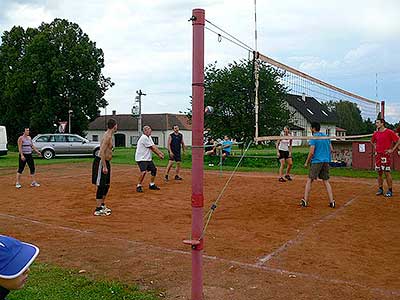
x: 155, y: 139
x: 328, y: 131
x: 134, y: 139
x: 95, y: 138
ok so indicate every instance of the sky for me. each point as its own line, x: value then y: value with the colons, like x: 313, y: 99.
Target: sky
x: 148, y: 44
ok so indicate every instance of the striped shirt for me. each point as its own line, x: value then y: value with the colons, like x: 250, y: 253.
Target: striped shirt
x: 26, y: 145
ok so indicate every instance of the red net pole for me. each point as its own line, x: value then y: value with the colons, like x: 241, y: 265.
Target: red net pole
x: 382, y: 109
x: 198, y: 21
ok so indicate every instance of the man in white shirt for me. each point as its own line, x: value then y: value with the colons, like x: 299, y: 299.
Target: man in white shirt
x: 143, y: 157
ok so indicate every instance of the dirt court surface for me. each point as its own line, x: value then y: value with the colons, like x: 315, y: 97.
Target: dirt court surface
x: 260, y: 244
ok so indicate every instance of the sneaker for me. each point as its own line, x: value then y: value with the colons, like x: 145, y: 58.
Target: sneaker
x: 35, y: 184
x: 288, y: 177
x: 106, y: 209
x: 281, y: 179
x: 178, y: 178
x: 153, y: 187
x: 379, y: 192
x: 101, y: 212
x: 139, y: 189
x: 303, y: 203
x: 389, y: 194
x: 332, y: 204
x: 166, y: 178
x: 18, y: 185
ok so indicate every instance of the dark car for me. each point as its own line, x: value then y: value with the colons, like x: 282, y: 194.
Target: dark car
x: 61, y: 144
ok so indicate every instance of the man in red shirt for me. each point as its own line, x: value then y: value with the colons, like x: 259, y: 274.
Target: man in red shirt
x: 382, y: 140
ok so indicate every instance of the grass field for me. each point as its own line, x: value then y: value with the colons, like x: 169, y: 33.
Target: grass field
x: 48, y: 282
x: 262, y: 160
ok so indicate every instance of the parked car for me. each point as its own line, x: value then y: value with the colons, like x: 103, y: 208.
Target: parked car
x: 3, y: 141
x: 61, y: 144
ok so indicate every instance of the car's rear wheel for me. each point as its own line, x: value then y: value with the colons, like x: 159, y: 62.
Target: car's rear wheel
x: 48, y: 154
x: 96, y: 152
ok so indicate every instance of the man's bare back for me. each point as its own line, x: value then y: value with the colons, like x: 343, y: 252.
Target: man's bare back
x: 106, y: 146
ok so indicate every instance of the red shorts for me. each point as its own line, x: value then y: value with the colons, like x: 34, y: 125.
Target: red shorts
x: 382, y: 162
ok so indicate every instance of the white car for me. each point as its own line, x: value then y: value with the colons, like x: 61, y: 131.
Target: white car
x: 3, y: 141
x: 61, y: 144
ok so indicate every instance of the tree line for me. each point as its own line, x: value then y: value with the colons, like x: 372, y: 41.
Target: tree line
x: 47, y: 72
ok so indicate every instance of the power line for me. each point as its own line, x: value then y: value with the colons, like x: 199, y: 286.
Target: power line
x: 231, y: 36
x: 230, y: 40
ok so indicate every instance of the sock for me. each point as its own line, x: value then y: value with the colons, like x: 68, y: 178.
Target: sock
x: 152, y: 183
x: 139, y: 185
x: 390, y: 190
x: 103, y: 204
x: 98, y: 208
x: 381, y: 187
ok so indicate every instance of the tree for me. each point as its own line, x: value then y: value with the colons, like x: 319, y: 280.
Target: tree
x: 369, y: 126
x: 349, y: 116
x: 47, y: 71
x: 230, y: 90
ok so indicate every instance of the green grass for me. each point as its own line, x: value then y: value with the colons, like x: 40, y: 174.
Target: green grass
x: 259, y: 160
x: 48, y: 282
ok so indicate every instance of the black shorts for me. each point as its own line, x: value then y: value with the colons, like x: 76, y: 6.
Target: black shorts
x: 226, y: 152
x: 147, y: 166
x: 284, y: 155
x: 176, y: 157
x: 22, y: 163
x: 98, y: 177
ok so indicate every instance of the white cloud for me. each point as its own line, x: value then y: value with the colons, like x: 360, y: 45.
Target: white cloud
x: 392, y: 113
x: 27, y: 15
x: 147, y: 44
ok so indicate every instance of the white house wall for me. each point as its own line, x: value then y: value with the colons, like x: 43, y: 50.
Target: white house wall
x: 299, y: 120
x: 161, y: 135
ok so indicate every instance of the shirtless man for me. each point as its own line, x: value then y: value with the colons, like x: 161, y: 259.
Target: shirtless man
x: 101, y: 171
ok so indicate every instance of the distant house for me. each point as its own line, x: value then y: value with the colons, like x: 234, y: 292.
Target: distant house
x: 340, y: 131
x: 305, y: 110
x: 296, y: 131
x: 127, y: 134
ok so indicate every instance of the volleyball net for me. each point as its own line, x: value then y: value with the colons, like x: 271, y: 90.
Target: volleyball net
x: 314, y: 99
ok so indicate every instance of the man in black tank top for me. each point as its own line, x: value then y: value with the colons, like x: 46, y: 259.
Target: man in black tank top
x: 175, y: 144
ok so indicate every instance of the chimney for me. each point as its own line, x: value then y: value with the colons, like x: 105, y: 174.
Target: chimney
x: 303, y: 97
x: 114, y: 112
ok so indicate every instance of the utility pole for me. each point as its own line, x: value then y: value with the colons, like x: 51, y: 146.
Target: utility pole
x: 70, y: 111
x: 137, y: 110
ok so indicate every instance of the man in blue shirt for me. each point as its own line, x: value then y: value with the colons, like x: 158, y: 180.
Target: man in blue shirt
x: 320, y: 156
x: 226, y: 147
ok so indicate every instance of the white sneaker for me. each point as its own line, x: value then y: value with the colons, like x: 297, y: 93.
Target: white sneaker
x: 18, y: 185
x: 106, y: 209
x: 101, y: 212
x: 35, y: 184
